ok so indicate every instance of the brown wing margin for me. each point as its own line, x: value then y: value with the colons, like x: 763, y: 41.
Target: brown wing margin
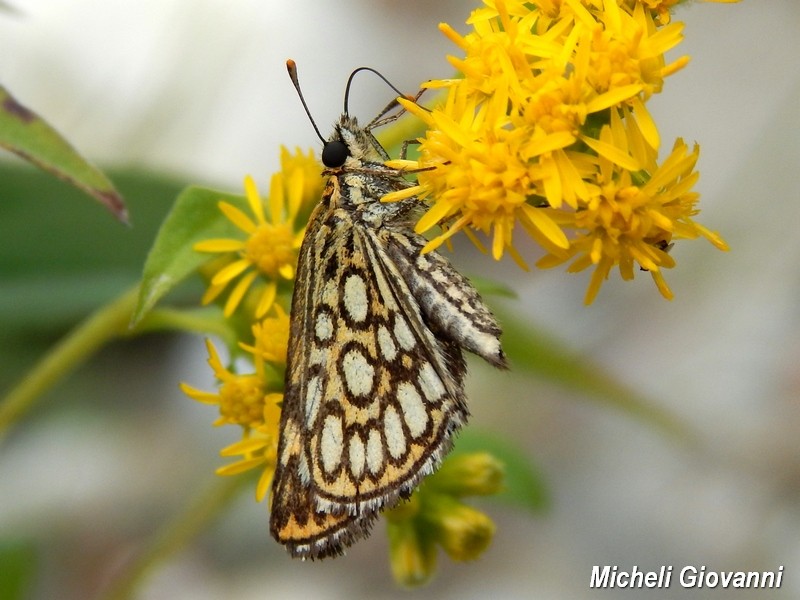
x: 306, y: 532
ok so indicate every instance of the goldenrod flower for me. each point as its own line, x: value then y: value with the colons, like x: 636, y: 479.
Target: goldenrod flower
x: 247, y: 401
x: 547, y: 123
x: 273, y: 238
x: 258, y: 449
x: 302, y: 181
x: 628, y: 223
x: 271, y: 337
x: 240, y: 397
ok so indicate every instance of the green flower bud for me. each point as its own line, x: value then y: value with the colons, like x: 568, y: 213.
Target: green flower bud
x: 412, y: 557
x: 475, y: 474
x: 463, y: 532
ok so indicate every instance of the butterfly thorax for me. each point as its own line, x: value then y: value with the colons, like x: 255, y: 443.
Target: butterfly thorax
x: 363, y: 179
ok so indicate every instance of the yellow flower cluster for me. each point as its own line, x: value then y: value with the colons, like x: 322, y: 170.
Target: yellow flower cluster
x: 547, y: 128
x: 258, y: 261
x: 268, y: 253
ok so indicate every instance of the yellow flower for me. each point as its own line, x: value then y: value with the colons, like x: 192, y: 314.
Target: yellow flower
x: 258, y: 448
x: 271, y: 337
x: 246, y: 400
x: 628, y: 223
x: 302, y: 181
x: 552, y: 97
x: 240, y: 397
x: 270, y: 249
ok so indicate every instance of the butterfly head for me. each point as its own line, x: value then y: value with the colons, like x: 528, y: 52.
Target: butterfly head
x: 349, y: 145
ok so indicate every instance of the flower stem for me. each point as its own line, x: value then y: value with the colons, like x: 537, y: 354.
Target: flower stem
x: 86, y: 338
x: 177, y: 534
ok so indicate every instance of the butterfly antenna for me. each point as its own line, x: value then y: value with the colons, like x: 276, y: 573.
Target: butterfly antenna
x: 291, y: 66
x: 371, y: 70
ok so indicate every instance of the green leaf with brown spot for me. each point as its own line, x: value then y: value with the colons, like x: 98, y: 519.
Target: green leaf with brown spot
x: 27, y: 135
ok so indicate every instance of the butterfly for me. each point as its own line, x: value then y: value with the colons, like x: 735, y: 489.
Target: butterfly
x: 374, y: 389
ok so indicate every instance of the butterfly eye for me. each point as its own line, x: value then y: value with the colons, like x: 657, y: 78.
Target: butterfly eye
x: 334, y: 154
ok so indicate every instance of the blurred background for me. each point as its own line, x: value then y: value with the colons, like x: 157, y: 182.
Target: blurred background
x: 195, y: 91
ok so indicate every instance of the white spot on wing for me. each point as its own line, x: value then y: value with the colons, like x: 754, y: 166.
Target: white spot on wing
x: 386, y: 343
x: 414, y: 412
x: 331, y: 443
x: 318, y: 355
x: 357, y: 457
x: 393, y: 428
x: 431, y: 384
x: 403, y: 334
x: 374, y: 451
x: 313, y: 397
x: 358, y: 373
x: 355, y: 298
x: 323, y: 327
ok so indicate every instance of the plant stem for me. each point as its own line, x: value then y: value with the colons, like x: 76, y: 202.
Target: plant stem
x: 176, y: 535
x: 82, y: 342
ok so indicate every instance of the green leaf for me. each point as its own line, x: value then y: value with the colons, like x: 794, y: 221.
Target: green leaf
x: 17, y: 569
x: 26, y: 134
x: 524, y: 483
x: 194, y: 217
x: 531, y: 350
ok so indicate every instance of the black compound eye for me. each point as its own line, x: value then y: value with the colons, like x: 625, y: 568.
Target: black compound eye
x: 334, y: 154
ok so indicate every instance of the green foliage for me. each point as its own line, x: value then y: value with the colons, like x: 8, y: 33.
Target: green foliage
x: 61, y: 258
x: 532, y: 351
x: 17, y: 569
x: 26, y: 134
x: 523, y: 484
x: 194, y: 217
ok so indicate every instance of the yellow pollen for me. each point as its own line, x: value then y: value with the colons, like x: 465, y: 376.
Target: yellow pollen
x: 241, y: 401
x: 270, y: 247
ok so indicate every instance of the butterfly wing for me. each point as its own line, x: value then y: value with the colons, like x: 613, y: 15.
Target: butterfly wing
x: 295, y: 519
x: 389, y: 395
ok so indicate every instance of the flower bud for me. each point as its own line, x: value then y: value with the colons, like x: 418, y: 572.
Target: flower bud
x: 463, y: 532
x: 475, y: 474
x: 412, y: 557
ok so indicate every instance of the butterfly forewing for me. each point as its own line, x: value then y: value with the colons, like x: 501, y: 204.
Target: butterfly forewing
x: 374, y: 380
x: 297, y: 523
x: 390, y: 400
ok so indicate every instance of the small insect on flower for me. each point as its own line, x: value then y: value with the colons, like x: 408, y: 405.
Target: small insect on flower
x: 375, y: 374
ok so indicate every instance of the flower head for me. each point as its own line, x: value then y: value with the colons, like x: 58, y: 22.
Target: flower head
x: 252, y: 401
x: 629, y: 222
x: 271, y: 338
x: 240, y: 398
x: 268, y: 253
x: 548, y: 129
